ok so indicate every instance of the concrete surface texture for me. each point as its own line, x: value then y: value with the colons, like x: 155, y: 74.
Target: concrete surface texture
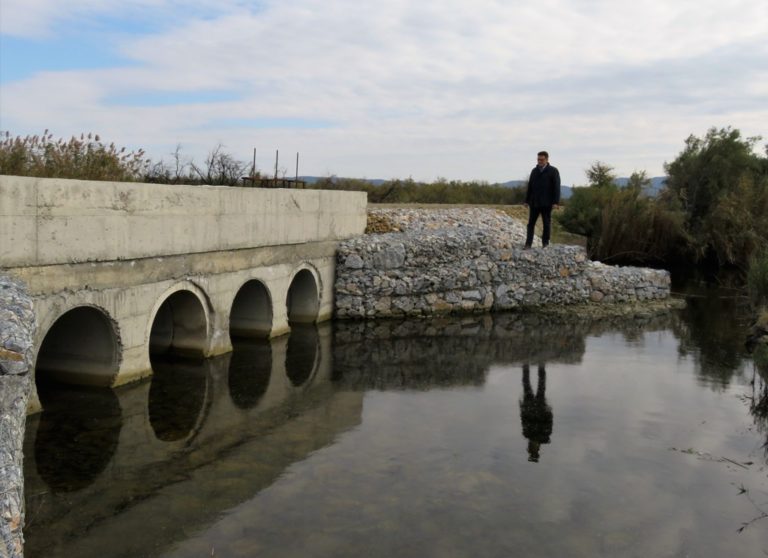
x: 52, y: 221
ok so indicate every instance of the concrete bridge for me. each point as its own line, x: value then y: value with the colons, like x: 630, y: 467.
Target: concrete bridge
x: 120, y: 272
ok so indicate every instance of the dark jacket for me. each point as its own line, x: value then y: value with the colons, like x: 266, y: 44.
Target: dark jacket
x: 543, y: 187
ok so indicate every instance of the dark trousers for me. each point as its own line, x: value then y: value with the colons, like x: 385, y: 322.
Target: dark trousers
x: 546, y: 218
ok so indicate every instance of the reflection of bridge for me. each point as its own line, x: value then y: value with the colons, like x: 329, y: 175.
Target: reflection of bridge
x: 148, y: 462
x: 120, y: 270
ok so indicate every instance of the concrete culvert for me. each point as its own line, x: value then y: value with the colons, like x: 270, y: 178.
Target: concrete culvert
x: 180, y: 327
x: 303, y: 301
x: 251, y: 314
x: 81, y: 347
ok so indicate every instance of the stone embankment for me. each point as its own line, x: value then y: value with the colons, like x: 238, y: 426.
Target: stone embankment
x: 17, y: 324
x: 453, y: 261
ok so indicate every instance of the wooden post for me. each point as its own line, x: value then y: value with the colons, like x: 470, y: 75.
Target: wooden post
x: 297, y: 169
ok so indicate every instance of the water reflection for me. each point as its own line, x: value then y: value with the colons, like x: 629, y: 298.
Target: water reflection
x: 177, y: 397
x: 249, y: 372
x: 302, y: 353
x: 394, y: 439
x: 424, y: 354
x: 758, y: 401
x: 535, y: 413
x: 242, y: 424
x: 712, y: 329
x: 76, y: 435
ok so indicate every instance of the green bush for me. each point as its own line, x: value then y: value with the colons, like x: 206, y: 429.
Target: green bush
x: 85, y: 157
x: 583, y: 213
x: 713, y: 211
x: 721, y: 185
x: 635, y: 229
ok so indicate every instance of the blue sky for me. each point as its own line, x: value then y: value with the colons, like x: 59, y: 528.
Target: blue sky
x: 458, y: 89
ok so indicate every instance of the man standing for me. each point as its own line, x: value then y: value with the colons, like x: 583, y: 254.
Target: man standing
x: 543, y: 193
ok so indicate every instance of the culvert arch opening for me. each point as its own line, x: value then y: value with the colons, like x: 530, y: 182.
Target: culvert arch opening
x: 303, y: 301
x: 81, y: 348
x: 251, y: 313
x: 180, y: 327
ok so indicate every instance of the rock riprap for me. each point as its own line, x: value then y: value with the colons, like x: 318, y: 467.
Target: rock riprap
x: 471, y: 260
x: 17, y: 324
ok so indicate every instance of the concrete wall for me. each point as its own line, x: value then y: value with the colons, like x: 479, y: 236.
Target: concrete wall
x: 118, y: 269
x: 54, y: 221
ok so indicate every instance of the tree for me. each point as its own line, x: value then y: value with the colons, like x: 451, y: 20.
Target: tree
x: 583, y: 213
x: 600, y: 175
x: 721, y: 185
x: 638, y: 181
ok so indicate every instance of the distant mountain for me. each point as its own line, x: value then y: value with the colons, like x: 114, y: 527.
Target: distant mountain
x: 565, y: 191
x: 657, y: 183
x: 514, y: 183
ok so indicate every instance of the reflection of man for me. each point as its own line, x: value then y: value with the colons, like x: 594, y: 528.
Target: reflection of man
x: 535, y: 414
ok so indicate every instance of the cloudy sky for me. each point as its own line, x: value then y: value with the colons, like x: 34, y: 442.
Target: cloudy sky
x: 383, y: 89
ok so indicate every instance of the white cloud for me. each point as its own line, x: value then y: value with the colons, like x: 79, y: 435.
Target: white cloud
x: 454, y: 88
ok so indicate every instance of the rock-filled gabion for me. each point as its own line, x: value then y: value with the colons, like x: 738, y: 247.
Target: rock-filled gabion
x: 17, y: 324
x: 452, y: 261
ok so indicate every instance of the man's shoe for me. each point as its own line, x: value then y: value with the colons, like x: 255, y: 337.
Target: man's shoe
x: 527, y: 247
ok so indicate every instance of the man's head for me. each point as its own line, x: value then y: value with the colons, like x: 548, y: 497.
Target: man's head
x: 542, y: 158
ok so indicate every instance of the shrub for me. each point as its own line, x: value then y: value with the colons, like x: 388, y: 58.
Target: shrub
x: 85, y: 157
x: 636, y: 229
x: 219, y: 169
x: 720, y: 183
x: 583, y: 214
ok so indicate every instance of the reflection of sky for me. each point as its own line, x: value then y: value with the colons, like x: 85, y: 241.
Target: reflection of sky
x: 445, y: 472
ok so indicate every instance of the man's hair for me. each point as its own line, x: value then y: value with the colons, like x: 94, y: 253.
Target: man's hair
x: 543, y: 154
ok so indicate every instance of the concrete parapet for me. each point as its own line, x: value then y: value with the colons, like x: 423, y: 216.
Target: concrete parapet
x: 55, y: 221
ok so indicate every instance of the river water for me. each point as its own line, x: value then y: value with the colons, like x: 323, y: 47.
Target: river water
x: 493, y: 436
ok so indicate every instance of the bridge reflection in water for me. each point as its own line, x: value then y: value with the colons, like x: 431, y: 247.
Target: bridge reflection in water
x: 145, y: 463
x: 137, y: 470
